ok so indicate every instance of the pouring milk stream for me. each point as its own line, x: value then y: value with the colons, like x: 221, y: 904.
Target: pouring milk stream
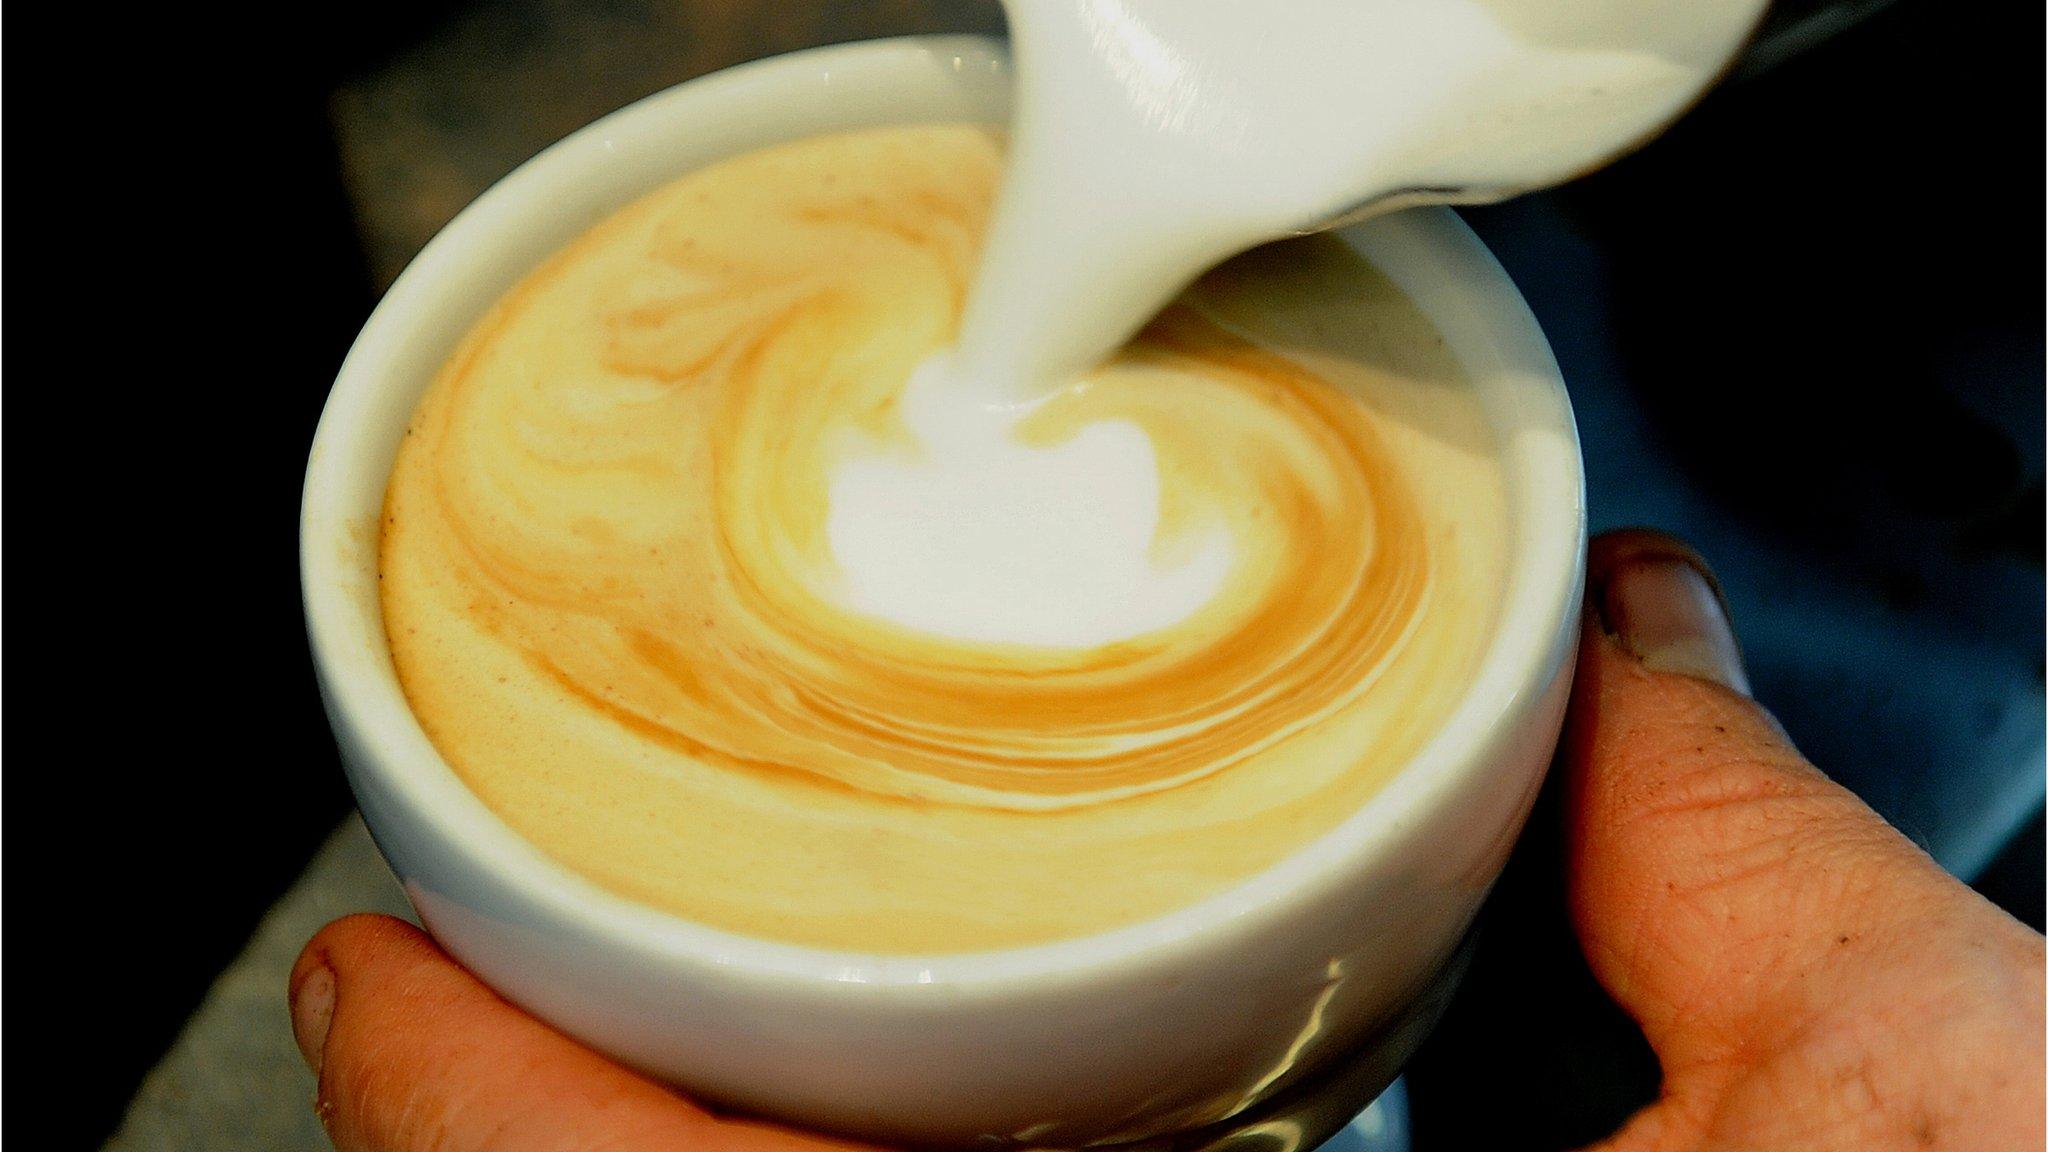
x: 1150, y: 140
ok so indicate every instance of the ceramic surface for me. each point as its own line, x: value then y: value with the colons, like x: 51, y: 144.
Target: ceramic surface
x: 1155, y: 1027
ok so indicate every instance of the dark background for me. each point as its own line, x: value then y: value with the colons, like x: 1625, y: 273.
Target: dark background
x: 1804, y: 329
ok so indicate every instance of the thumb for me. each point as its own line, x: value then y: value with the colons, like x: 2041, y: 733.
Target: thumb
x: 1720, y: 884
x: 412, y: 1053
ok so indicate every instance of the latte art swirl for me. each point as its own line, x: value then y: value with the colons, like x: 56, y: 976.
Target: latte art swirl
x: 631, y: 606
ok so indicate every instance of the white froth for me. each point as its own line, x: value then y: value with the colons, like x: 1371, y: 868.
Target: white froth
x: 980, y: 537
x: 1150, y: 139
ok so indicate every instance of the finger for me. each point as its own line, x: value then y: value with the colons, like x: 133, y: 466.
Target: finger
x: 1716, y: 875
x: 413, y: 1053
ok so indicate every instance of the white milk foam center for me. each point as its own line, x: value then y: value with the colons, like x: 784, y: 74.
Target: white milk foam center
x: 979, y: 537
x: 1152, y: 138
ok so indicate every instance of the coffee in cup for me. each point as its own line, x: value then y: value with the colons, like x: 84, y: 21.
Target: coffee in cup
x: 709, y: 573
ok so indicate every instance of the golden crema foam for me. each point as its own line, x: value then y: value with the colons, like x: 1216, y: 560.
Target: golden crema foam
x: 614, y: 599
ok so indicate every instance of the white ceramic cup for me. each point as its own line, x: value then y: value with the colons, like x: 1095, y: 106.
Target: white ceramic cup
x: 1155, y: 1027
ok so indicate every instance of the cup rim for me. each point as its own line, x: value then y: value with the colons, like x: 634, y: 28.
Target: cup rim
x: 1531, y: 637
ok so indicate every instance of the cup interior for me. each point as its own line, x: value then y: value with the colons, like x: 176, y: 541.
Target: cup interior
x: 556, y: 196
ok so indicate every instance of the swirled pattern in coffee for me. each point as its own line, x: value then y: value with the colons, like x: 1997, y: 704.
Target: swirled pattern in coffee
x: 615, y: 599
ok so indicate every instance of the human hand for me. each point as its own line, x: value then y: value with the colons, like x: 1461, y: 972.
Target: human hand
x: 415, y: 1054
x: 1808, y: 978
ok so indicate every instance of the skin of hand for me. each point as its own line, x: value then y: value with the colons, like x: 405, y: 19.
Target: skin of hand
x: 1808, y: 977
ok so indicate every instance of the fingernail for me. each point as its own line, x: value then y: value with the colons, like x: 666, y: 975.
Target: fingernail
x: 1666, y: 611
x: 312, y: 1013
